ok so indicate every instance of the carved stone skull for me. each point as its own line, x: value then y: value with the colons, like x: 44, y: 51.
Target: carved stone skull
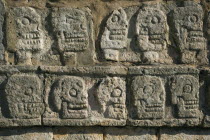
x: 114, y: 37
x: 188, y: 32
x: 148, y: 97
x: 151, y: 30
x: 24, y: 97
x: 185, y: 95
x: 71, y: 29
x: 70, y: 98
x: 29, y: 33
x: 111, y: 96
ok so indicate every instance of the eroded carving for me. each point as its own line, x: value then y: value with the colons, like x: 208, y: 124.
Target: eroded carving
x: 70, y: 98
x: 185, y: 95
x: 148, y: 97
x: 24, y: 96
x: 30, y: 36
x: 188, y: 33
x: 71, y: 28
x: 152, y: 35
x: 112, y: 96
x: 114, y: 37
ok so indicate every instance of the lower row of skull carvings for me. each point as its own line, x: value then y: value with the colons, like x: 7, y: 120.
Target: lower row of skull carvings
x: 70, y: 99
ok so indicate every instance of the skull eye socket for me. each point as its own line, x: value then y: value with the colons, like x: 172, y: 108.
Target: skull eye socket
x: 148, y: 89
x: 82, y: 26
x: 29, y: 91
x: 187, y: 88
x: 73, y: 92
x: 25, y: 21
x: 155, y: 20
x: 115, y: 18
x: 193, y: 18
x: 116, y: 92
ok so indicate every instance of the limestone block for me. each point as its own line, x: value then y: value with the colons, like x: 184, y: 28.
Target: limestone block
x: 73, y: 31
x: 188, y: 34
x: 129, y: 134
x: 111, y: 97
x: 185, y: 95
x: 87, y: 133
x: 152, y: 35
x: 69, y: 98
x: 24, y: 101
x: 148, y: 97
x: 26, y: 134
x: 84, y: 101
x: 114, y: 37
x: 184, y: 134
x: 27, y: 34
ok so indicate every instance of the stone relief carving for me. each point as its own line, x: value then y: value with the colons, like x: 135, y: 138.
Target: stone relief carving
x: 70, y: 98
x: 185, y: 95
x: 112, y: 96
x: 188, y: 33
x: 114, y: 37
x: 148, y: 96
x: 30, y: 36
x: 152, y: 35
x: 24, y: 96
x: 72, y: 29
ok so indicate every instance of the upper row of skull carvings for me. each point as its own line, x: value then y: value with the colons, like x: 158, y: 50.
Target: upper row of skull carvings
x: 143, y: 37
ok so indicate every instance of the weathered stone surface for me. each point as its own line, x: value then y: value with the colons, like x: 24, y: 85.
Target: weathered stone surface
x: 87, y: 133
x: 26, y: 134
x: 188, y: 33
x: 130, y: 134
x: 2, y: 12
x: 24, y: 97
x: 28, y: 37
x: 69, y: 98
x: 148, y: 96
x: 115, y: 35
x: 76, y: 101
x: 184, y: 134
x: 73, y: 29
x: 22, y: 100
x: 152, y: 35
x: 185, y: 95
x: 111, y: 97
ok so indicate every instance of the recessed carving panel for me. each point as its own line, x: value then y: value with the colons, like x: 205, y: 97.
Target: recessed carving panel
x: 188, y: 33
x: 152, y: 35
x: 111, y: 97
x: 69, y: 98
x: 73, y: 31
x: 114, y: 37
x: 185, y: 95
x: 24, y: 97
x: 148, y: 97
x: 29, y: 34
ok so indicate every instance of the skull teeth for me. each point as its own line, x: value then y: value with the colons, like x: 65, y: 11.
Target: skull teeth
x: 31, y: 42
x: 155, y: 109
x: 191, y: 102
x: 31, y: 35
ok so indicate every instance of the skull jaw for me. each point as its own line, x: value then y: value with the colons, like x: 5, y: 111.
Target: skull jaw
x: 26, y: 110
x: 67, y: 113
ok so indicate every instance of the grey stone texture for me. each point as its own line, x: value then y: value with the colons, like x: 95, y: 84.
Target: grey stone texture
x: 2, y: 16
x: 104, y: 70
x: 74, y: 35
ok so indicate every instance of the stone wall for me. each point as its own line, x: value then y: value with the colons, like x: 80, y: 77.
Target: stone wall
x: 104, y: 69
